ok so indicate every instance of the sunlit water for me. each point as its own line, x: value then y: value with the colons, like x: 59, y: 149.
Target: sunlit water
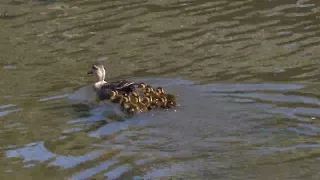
x: 245, y: 72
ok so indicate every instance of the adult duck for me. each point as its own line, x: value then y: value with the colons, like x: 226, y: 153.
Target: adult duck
x: 103, y: 88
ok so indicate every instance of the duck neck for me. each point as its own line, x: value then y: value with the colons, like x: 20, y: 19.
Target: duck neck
x: 100, y: 73
x: 100, y: 76
x: 98, y: 85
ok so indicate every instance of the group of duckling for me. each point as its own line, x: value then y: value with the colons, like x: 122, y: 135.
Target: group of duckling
x: 143, y: 99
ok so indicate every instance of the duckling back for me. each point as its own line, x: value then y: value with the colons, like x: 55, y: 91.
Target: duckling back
x: 143, y: 98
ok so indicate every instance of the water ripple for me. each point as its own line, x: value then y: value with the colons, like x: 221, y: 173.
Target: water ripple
x: 69, y: 161
x: 250, y: 102
x: 92, y: 171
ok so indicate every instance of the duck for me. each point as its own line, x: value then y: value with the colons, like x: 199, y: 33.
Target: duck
x: 170, y: 98
x: 103, y: 88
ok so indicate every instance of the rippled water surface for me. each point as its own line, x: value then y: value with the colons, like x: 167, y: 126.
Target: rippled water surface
x: 246, y: 73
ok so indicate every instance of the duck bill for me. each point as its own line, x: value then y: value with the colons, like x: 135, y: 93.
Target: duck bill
x: 90, y: 72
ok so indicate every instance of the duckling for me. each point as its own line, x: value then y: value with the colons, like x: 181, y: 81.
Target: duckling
x: 171, y: 101
x: 155, y: 102
x: 103, y: 88
x: 156, y: 96
x: 148, y: 89
x: 134, y: 96
x: 170, y: 98
x: 139, y: 103
x: 160, y: 90
x: 128, y: 107
x: 156, y: 93
x: 142, y: 85
x: 163, y: 102
x: 115, y: 96
x: 152, y: 103
x: 124, y: 99
x: 147, y: 102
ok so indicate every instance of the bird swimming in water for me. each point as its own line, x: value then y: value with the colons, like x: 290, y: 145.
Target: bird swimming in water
x: 103, y: 88
x: 116, y: 97
x: 128, y: 107
x: 171, y: 100
x: 132, y: 97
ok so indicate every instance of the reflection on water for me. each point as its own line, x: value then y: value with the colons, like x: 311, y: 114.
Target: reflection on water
x: 246, y: 74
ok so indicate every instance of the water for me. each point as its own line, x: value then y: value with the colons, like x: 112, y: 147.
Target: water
x: 245, y: 72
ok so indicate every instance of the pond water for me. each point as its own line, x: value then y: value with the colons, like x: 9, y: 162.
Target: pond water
x: 246, y: 73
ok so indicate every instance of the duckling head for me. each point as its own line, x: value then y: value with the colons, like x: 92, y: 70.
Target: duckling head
x: 147, y: 102
x: 98, y: 71
x: 134, y: 94
x: 142, y: 85
x: 139, y: 99
x: 134, y: 99
x: 124, y: 100
x: 149, y: 96
x: 149, y: 89
x: 113, y: 95
x: 160, y: 90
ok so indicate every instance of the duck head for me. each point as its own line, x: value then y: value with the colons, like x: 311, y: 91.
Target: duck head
x: 98, y: 71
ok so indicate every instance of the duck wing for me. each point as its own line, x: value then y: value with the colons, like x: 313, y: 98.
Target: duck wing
x: 122, y: 85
